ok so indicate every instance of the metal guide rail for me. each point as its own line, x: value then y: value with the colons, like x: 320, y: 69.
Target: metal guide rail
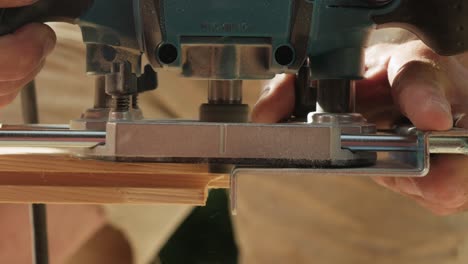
x: 294, y: 145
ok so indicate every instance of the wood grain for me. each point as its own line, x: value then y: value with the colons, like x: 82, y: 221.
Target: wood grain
x: 59, y: 178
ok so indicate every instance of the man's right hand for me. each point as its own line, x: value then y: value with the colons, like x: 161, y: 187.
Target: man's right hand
x: 430, y: 90
x: 22, y: 54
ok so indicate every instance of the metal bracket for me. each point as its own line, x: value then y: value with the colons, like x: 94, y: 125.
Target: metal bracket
x: 414, y: 163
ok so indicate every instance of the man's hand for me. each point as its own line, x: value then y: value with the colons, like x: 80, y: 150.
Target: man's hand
x: 22, y: 54
x: 408, y: 79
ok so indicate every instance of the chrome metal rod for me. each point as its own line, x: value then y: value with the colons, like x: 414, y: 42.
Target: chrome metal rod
x: 34, y: 127
x: 336, y: 96
x: 387, y: 143
x: 51, y: 138
x: 70, y: 139
x: 101, y: 99
x: 89, y: 139
x: 379, y: 143
x: 225, y: 92
x: 446, y: 145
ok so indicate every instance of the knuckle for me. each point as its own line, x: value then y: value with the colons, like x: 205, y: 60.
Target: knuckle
x: 447, y: 182
x: 424, y: 53
x: 7, y: 99
x: 446, y: 187
x: 25, y: 50
x: 26, y: 2
x: 449, y: 198
x: 442, y: 211
x: 16, y: 3
x: 11, y: 87
x: 379, y: 48
x: 25, y: 64
x: 6, y: 89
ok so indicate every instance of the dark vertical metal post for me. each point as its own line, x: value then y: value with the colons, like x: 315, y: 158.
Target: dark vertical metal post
x: 29, y: 104
x: 224, y: 105
x: 305, y: 93
x: 39, y: 234
x: 40, y: 249
x: 336, y: 96
x: 101, y: 99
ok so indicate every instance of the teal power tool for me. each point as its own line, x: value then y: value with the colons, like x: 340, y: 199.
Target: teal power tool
x: 267, y: 37
x: 225, y: 42
x: 238, y: 40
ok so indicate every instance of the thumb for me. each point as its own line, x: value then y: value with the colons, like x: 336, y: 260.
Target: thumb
x: 15, y: 3
x: 277, y: 100
x: 419, y: 86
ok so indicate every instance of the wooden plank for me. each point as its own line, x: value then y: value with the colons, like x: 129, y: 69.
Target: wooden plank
x: 59, y: 178
x: 101, y: 195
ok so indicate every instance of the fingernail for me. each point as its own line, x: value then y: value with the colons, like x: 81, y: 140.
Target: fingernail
x: 381, y: 181
x: 409, y: 186
x: 265, y: 92
x: 49, y: 45
x: 387, y: 182
x: 442, y: 104
x: 461, y: 121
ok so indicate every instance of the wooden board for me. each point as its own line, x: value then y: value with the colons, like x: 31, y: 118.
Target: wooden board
x: 59, y: 178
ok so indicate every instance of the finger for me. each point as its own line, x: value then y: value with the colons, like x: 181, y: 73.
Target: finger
x: 9, y: 87
x: 460, y: 116
x: 16, y: 3
x: 419, y: 86
x: 277, y: 100
x: 377, y: 58
x: 443, y: 191
x: 8, y: 98
x: 375, y: 86
x: 462, y: 121
x: 22, y: 52
x: 441, y: 210
x: 373, y: 94
x: 9, y: 90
